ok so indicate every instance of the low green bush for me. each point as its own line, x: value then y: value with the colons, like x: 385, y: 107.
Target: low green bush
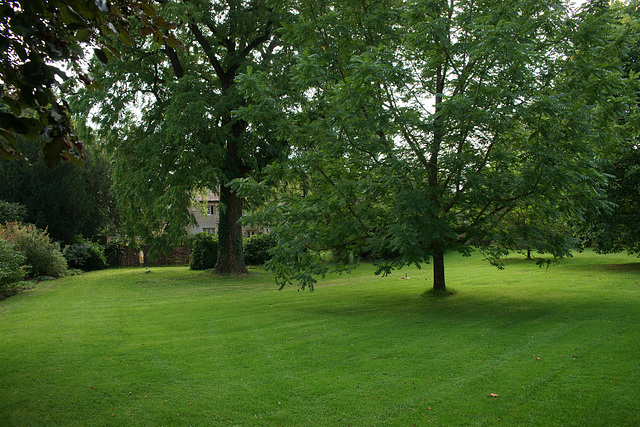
x: 14, y: 288
x: 204, y: 251
x: 256, y: 248
x: 11, y: 268
x: 43, y: 256
x: 86, y: 256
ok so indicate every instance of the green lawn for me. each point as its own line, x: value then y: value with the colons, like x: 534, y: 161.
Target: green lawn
x: 175, y: 347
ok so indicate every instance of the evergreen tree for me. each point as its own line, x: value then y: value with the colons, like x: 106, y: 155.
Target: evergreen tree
x: 67, y: 201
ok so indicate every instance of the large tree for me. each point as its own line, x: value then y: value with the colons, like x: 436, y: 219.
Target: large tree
x: 172, y: 113
x: 428, y: 123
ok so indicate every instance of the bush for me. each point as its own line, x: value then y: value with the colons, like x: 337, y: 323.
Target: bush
x: 85, y: 256
x: 204, y: 252
x: 11, y: 268
x: 256, y: 248
x: 12, y: 212
x: 115, y: 251
x: 14, y: 288
x: 43, y: 256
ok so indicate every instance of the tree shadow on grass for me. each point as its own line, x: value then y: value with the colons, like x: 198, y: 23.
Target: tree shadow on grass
x: 614, y: 269
x: 620, y: 267
x: 502, y: 309
x: 625, y: 268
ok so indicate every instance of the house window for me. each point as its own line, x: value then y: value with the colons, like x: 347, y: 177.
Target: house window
x: 209, y: 230
x: 211, y: 210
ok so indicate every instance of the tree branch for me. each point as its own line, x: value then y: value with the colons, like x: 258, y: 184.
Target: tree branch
x: 208, y: 50
x: 349, y: 208
x: 175, y: 61
x: 257, y: 41
x: 405, y: 131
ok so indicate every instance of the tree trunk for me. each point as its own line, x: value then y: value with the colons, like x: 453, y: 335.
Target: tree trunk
x: 438, y: 137
x: 230, y: 255
x: 438, y: 272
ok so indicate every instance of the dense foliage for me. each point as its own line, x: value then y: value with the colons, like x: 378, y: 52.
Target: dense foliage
x: 11, y: 267
x: 618, y: 228
x: 12, y: 212
x: 115, y: 251
x: 42, y: 45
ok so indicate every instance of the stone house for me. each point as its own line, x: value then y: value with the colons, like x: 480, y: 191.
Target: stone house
x: 206, y: 210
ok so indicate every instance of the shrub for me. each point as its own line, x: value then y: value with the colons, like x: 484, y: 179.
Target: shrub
x: 115, y: 251
x: 15, y: 288
x: 12, y: 212
x: 85, y: 256
x: 11, y: 268
x: 204, y: 252
x: 43, y: 256
x: 256, y: 248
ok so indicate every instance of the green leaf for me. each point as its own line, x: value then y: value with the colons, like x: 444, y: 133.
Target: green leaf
x: 145, y: 31
x: 83, y: 35
x: 112, y: 51
x: 9, y: 137
x: 173, y: 42
x: 21, y: 125
x: 148, y: 10
x: 160, y: 22
x: 102, y: 57
x: 124, y: 36
x: 15, y: 106
x: 52, y: 151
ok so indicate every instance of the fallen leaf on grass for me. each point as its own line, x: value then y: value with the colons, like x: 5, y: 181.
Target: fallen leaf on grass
x: 493, y: 395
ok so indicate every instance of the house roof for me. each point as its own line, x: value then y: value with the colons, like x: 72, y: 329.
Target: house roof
x: 209, y: 196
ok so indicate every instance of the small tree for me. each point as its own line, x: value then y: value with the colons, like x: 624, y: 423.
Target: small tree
x: 115, y: 251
